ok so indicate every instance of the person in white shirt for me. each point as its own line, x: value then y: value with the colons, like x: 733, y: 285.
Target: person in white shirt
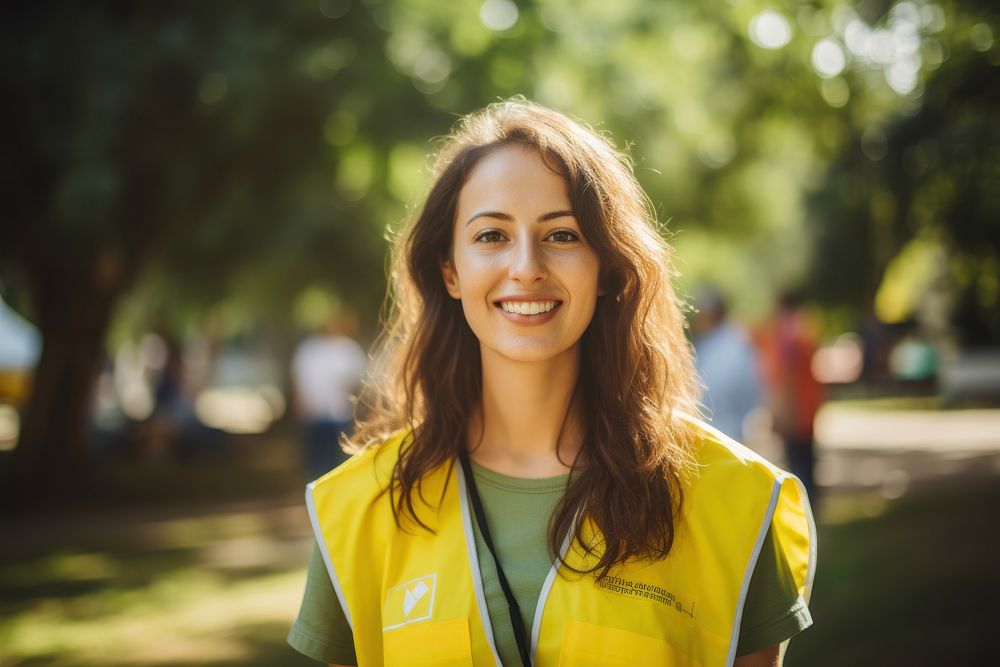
x: 326, y: 372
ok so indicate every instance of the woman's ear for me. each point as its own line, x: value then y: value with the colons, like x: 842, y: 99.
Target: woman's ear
x: 450, y: 279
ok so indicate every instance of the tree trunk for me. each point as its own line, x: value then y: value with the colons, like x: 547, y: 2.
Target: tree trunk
x: 51, y: 463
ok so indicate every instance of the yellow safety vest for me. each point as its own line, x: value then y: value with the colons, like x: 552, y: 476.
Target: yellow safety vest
x: 414, y: 597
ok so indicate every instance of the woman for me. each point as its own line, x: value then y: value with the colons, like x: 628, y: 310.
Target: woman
x: 529, y: 489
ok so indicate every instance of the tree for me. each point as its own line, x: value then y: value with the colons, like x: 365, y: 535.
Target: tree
x: 144, y: 131
x: 932, y: 175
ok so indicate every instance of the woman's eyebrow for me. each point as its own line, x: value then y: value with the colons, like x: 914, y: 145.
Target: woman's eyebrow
x: 552, y: 215
x: 555, y: 214
x: 490, y: 214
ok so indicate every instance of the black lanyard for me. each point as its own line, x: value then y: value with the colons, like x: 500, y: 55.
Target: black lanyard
x: 515, y: 612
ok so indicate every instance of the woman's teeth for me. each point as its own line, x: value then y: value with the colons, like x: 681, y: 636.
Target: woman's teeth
x: 527, y: 307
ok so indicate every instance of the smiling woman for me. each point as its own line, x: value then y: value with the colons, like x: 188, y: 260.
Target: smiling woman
x: 526, y: 276
x: 531, y: 460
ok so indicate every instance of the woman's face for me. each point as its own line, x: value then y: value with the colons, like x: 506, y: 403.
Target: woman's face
x: 527, y: 278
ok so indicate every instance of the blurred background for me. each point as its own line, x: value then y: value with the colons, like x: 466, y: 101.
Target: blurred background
x: 198, y: 198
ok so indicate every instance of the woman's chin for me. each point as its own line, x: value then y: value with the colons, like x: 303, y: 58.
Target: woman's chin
x: 531, y: 353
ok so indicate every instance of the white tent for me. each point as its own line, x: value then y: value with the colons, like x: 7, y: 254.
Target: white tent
x: 20, y: 343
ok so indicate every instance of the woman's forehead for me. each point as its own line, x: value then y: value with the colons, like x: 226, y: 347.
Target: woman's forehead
x: 513, y: 175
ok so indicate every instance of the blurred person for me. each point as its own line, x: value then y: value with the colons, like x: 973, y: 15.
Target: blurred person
x: 530, y: 460
x: 171, y: 402
x: 876, y: 343
x: 326, y: 372
x: 727, y: 364
x: 795, y: 396
x: 20, y: 347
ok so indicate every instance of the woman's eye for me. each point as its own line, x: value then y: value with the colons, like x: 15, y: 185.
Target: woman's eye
x: 489, y: 236
x: 563, y: 236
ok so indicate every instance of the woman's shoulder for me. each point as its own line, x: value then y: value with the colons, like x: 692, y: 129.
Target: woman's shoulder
x: 713, y: 452
x: 371, y: 467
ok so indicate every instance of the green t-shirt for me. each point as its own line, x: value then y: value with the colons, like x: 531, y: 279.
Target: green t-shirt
x: 518, y: 511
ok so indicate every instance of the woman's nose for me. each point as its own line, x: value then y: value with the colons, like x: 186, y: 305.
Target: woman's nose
x: 527, y: 264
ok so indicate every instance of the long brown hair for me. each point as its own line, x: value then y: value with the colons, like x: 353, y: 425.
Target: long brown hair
x: 635, y: 362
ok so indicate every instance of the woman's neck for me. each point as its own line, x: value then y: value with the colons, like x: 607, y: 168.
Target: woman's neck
x: 528, y: 423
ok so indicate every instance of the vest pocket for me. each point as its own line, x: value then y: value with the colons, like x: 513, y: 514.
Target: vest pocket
x: 427, y: 644
x: 589, y: 645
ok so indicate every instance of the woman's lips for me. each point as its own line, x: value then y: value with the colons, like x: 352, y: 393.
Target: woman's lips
x: 526, y: 307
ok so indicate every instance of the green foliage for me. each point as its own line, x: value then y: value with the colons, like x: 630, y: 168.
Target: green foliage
x: 241, y: 154
x: 928, y: 169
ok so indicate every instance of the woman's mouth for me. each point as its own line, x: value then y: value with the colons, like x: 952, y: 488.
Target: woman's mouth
x: 528, y: 308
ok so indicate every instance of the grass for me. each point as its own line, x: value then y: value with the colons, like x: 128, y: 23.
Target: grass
x: 916, y: 584
x: 192, y: 564
x: 188, y: 616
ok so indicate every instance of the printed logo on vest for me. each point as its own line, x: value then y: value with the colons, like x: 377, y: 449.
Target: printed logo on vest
x: 410, y: 602
x: 638, y: 589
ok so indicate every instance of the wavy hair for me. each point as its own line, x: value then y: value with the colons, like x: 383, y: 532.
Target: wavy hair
x: 636, y: 371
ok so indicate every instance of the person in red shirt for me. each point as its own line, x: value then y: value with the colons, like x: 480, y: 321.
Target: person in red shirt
x: 795, y: 396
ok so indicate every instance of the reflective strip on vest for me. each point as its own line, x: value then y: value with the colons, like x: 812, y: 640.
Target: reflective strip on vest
x: 415, y: 597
